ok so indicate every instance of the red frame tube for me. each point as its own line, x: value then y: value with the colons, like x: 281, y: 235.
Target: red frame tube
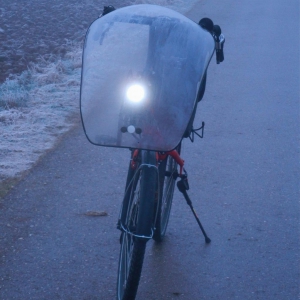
x: 160, y: 156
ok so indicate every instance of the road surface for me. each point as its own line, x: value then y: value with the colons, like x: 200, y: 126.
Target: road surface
x: 244, y: 179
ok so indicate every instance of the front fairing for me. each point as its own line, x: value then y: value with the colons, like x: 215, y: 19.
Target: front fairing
x: 151, y: 47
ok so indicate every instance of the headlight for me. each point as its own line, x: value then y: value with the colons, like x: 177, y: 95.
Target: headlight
x: 136, y: 93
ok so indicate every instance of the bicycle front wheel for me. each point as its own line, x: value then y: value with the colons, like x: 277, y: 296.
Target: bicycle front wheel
x: 138, y: 224
x: 167, y: 178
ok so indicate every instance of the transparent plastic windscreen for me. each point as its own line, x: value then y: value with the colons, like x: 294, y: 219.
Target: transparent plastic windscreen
x: 142, y: 66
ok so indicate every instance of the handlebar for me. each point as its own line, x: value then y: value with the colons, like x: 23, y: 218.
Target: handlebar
x: 219, y: 38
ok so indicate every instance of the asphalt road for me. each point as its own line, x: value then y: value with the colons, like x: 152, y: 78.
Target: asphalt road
x: 244, y: 178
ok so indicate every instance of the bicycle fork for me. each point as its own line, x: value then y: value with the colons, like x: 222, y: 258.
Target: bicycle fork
x: 183, y: 187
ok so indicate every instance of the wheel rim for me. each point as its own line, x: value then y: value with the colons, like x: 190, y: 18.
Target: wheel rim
x: 128, y: 239
x: 168, y: 190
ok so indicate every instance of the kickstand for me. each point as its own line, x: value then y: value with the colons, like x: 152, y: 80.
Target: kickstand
x: 183, y: 186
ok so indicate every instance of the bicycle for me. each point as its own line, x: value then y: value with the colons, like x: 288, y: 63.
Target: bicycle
x: 159, y: 48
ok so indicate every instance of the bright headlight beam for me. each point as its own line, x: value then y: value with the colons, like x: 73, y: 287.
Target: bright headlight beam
x: 135, y: 93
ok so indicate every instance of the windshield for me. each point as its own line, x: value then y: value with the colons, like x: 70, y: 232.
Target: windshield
x: 142, y: 67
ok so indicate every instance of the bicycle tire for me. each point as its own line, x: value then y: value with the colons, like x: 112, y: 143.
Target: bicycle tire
x: 167, y: 177
x: 138, y: 222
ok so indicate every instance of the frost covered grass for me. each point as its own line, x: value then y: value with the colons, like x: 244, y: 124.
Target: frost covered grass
x: 36, y: 107
x: 14, y: 92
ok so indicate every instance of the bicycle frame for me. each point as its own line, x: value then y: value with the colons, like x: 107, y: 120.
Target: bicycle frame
x: 160, y: 156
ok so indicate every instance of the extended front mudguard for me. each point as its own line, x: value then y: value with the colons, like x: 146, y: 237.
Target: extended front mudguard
x: 142, y: 164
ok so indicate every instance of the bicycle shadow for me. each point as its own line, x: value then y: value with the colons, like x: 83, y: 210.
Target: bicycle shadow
x: 173, y: 269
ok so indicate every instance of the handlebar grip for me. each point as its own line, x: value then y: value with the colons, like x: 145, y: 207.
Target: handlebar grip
x: 217, y: 31
x: 207, y: 24
x: 107, y: 10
